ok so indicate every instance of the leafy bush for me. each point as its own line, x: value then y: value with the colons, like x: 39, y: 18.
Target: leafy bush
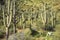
x: 2, y: 34
x: 49, y: 28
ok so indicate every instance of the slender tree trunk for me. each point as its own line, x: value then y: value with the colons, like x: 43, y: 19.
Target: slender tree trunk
x: 8, y: 18
x: 3, y: 8
x: 7, y: 33
x: 14, y: 21
x: 7, y: 26
x: 43, y: 15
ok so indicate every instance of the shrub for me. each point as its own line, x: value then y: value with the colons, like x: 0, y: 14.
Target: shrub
x: 2, y: 34
x: 49, y: 28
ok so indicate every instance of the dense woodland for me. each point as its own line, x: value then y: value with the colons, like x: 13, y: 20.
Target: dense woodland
x: 29, y: 19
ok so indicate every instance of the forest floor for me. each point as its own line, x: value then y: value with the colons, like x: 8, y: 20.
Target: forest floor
x: 56, y: 33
